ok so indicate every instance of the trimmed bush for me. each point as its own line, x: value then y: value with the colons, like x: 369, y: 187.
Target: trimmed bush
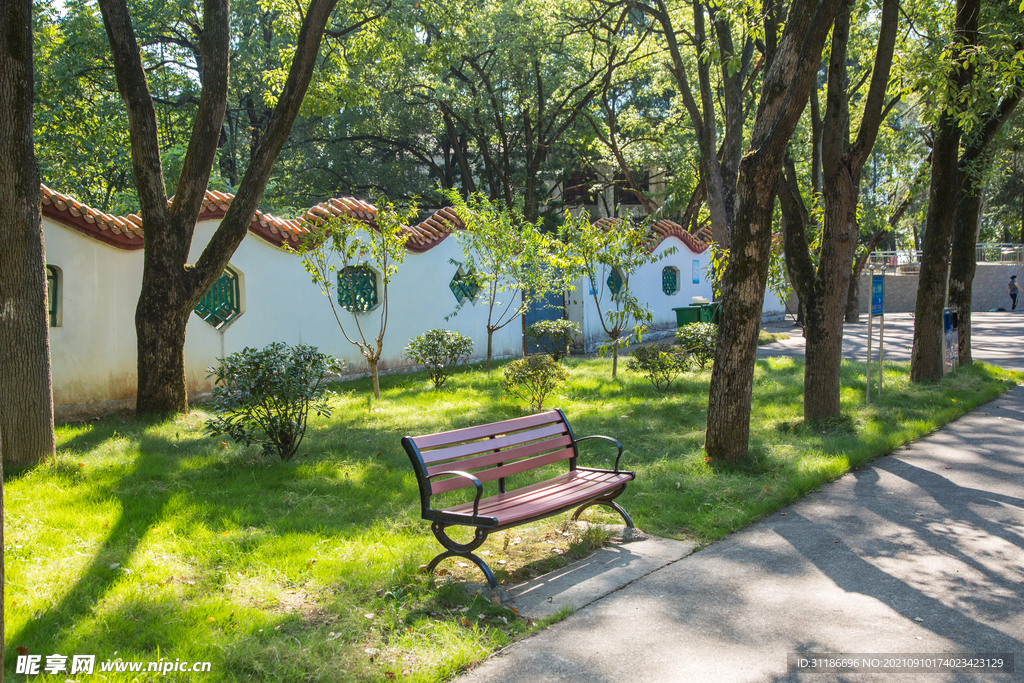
x: 264, y: 396
x: 554, y: 337
x: 699, y: 340
x: 533, y: 378
x: 660, y: 363
x: 439, y: 351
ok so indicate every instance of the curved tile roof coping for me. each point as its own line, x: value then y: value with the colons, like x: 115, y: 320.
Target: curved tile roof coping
x: 663, y: 229
x: 125, y: 232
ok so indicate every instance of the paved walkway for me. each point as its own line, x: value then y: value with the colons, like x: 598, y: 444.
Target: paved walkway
x: 920, y: 552
x: 996, y: 338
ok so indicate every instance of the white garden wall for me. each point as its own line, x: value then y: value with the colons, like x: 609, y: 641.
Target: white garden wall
x: 99, y: 260
x: 93, y: 351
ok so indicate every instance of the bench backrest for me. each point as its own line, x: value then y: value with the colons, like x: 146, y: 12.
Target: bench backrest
x: 491, y: 451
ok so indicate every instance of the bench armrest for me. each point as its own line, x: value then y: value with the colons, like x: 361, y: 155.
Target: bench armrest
x: 606, y: 438
x: 476, y: 482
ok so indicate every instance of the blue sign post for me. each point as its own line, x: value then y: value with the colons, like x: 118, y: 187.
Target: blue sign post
x: 877, y: 294
x: 877, y: 308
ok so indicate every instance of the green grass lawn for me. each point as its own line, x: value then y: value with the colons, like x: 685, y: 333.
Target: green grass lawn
x: 147, y: 540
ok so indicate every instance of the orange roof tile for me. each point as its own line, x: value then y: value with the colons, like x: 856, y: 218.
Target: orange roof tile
x: 663, y: 229
x: 126, y: 232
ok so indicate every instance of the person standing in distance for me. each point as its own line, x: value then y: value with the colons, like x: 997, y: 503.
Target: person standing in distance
x: 1013, y: 289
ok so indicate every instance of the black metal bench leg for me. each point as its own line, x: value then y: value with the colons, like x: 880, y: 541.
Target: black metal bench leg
x: 610, y: 503
x: 453, y: 549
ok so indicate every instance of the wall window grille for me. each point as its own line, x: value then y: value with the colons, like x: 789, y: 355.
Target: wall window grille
x: 357, y: 288
x: 464, y: 286
x: 53, y: 295
x: 223, y: 303
x: 615, y: 281
x: 670, y: 280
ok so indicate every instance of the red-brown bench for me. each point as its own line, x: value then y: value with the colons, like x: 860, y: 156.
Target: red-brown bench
x: 473, y: 456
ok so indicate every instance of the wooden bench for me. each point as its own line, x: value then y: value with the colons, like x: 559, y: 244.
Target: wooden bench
x: 462, y: 458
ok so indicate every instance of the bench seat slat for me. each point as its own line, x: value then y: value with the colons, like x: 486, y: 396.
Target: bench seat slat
x: 484, y: 431
x: 442, y: 485
x: 470, y: 464
x: 488, y: 445
x: 560, y: 492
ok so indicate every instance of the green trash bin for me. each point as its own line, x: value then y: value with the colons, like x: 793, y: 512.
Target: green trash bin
x: 686, y: 315
x: 711, y: 313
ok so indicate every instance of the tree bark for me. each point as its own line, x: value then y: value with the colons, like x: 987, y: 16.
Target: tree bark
x: 26, y: 397
x: 926, y: 356
x: 787, y: 84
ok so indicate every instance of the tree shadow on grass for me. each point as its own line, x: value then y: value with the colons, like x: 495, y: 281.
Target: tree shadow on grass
x: 138, y: 514
x: 199, y: 487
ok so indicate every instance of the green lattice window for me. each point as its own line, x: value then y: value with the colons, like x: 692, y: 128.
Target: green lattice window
x: 615, y: 281
x: 223, y: 303
x: 357, y: 288
x: 464, y: 286
x: 53, y: 295
x: 670, y: 280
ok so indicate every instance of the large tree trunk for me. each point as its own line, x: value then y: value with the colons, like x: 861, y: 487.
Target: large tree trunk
x: 824, y: 313
x: 732, y: 375
x: 26, y: 398
x: 926, y: 358
x: 160, y: 321
x: 824, y: 308
x: 787, y: 84
x: 171, y: 287
x: 841, y: 165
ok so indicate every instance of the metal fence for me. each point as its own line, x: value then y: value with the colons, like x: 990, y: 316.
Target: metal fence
x: 909, y: 261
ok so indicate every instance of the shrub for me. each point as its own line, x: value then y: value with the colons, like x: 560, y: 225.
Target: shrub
x: 659, y: 363
x: 440, y: 351
x: 533, y: 378
x: 699, y: 340
x: 554, y: 337
x: 264, y: 396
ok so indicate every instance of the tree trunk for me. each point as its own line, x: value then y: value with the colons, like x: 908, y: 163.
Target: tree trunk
x: 732, y: 375
x: 926, y: 357
x: 160, y: 322
x: 965, y: 223
x: 841, y: 165
x: 487, y: 363
x: 787, y: 85
x: 615, y: 358
x: 964, y: 261
x: 376, y: 379
x: 26, y: 397
x: 824, y: 312
x: 825, y: 306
